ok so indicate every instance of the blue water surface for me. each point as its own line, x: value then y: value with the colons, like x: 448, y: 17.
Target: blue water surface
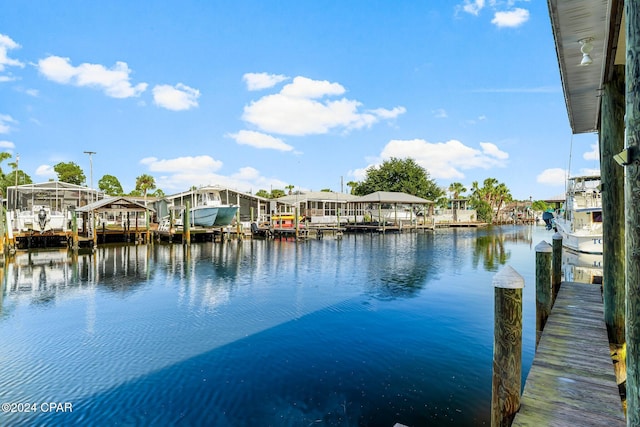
x: 370, y: 330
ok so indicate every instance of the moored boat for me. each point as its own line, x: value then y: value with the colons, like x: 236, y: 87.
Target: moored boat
x: 580, y: 221
x: 205, y: 212
x: 39, y: 218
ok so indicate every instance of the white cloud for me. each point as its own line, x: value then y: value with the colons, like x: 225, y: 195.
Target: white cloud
x: 492, y: 150
x: 303, y: 87
x: 185, y: 172
x: 7, y: 44
x: 299, y: 109
x: 594, y: 154
x: 259, y: 81
x: 446, y: 160
x: 440, y: 113
x: 473, y: 7
x: 114, y: 82
x: 512, y: 18
x: 383, y: 113
x: 195, y: 164
x: 259, y: 140
x: 177, y: 98
x: 46, y: 171
x: 5, y: 123
x: 554, y: 177
x: 7, y: 145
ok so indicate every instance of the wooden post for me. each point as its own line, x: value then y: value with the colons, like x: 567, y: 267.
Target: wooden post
x: 613, y: 253
x: 631, y: 204
x: 556, y: 266
x: 543, y: 286
x: 186, y: 223
x: 94, y: 225
x: 74, y: 229
x: 238, y: 226
x: 295, y: 213
x: 507, y: 347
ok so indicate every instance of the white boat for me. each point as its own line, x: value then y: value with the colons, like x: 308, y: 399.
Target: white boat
x: 205, y: 211
x: 40, y: 218
x: 580, y: 221
x: 209, y: 211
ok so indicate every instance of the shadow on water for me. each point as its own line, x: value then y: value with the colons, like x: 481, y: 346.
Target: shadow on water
x: 371, y: 380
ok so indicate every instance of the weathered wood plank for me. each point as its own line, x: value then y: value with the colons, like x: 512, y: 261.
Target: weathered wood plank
x: 572, y: 381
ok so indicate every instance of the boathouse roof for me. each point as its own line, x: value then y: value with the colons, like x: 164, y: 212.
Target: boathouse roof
x: 600, y: 22
x: 318, y: 196
x: 117, y: 203
x: 391, y: 197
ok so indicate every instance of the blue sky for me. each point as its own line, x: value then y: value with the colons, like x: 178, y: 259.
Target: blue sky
x: 263, y: 94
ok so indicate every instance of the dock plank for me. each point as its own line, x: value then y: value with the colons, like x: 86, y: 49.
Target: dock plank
x: 571, y: 381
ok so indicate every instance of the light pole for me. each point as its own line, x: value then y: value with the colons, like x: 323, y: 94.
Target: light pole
x: 90, y: 153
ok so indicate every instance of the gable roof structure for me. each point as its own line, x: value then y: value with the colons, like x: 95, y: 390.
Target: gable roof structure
x: 391, y: 197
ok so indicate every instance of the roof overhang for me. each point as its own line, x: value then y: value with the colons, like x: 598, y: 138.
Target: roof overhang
x: 602, y: 22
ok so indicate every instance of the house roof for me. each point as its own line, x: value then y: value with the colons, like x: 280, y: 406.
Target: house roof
x: 602, y: 22
x: 118, y: 203
x: 318, y: 196
x: 391, y: 197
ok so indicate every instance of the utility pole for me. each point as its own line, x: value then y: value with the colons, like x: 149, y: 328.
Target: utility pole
x: 90, y: 153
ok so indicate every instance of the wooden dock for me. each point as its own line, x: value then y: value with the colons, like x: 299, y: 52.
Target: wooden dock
x: 572, y: 381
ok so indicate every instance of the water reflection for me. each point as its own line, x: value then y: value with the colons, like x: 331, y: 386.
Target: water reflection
x: 348, y: 332
x: 580, y: 267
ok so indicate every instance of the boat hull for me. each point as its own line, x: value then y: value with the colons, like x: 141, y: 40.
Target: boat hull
x: 588, y: 243
x: 225, y: 215
x: 204, y: 216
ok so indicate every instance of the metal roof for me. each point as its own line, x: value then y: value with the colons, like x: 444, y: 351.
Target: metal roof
x: 317, y: 196
x: 115, y: 203
x: 391, y: 197
x: 575, y: 20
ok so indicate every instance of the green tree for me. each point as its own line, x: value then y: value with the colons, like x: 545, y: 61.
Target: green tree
x: 144, y: 183
x: 457, y: 189
x: 539, y: 206
x: 489, y: 199
x: 110, y: 185
x: 158, y: 193
x: 352, y: 186
x: 275, y: 193
x: 290, y: 187
x: 263, y: 193
x: 399, y: 175
x: 70, y: 172
x: 326, y: 190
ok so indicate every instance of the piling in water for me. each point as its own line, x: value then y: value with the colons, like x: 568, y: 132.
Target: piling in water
x: 507, y: 347
x: 543, y: 286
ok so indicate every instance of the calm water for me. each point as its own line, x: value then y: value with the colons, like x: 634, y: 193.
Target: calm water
x: 367, y: 331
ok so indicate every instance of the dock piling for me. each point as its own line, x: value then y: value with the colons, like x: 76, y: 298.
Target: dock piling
x: 507, y: 347
x: 543, y: 286
x: 556, y: 266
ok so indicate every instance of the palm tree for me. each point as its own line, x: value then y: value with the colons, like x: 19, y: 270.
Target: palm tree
x: 457, y: 189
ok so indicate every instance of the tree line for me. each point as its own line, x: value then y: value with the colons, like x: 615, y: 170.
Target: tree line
x: 406, y: 176
x: 71, y: 173
x: 398, y: 175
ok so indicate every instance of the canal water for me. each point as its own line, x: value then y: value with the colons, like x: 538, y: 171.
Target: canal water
x: 369, y: 330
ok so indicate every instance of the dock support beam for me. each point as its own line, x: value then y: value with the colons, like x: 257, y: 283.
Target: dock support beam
x: 507, y: 347
x: 543, y: 286
x: 556, y: 266
x: 186, y: 222
x: 632, y: 201
x: 613, y: 254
